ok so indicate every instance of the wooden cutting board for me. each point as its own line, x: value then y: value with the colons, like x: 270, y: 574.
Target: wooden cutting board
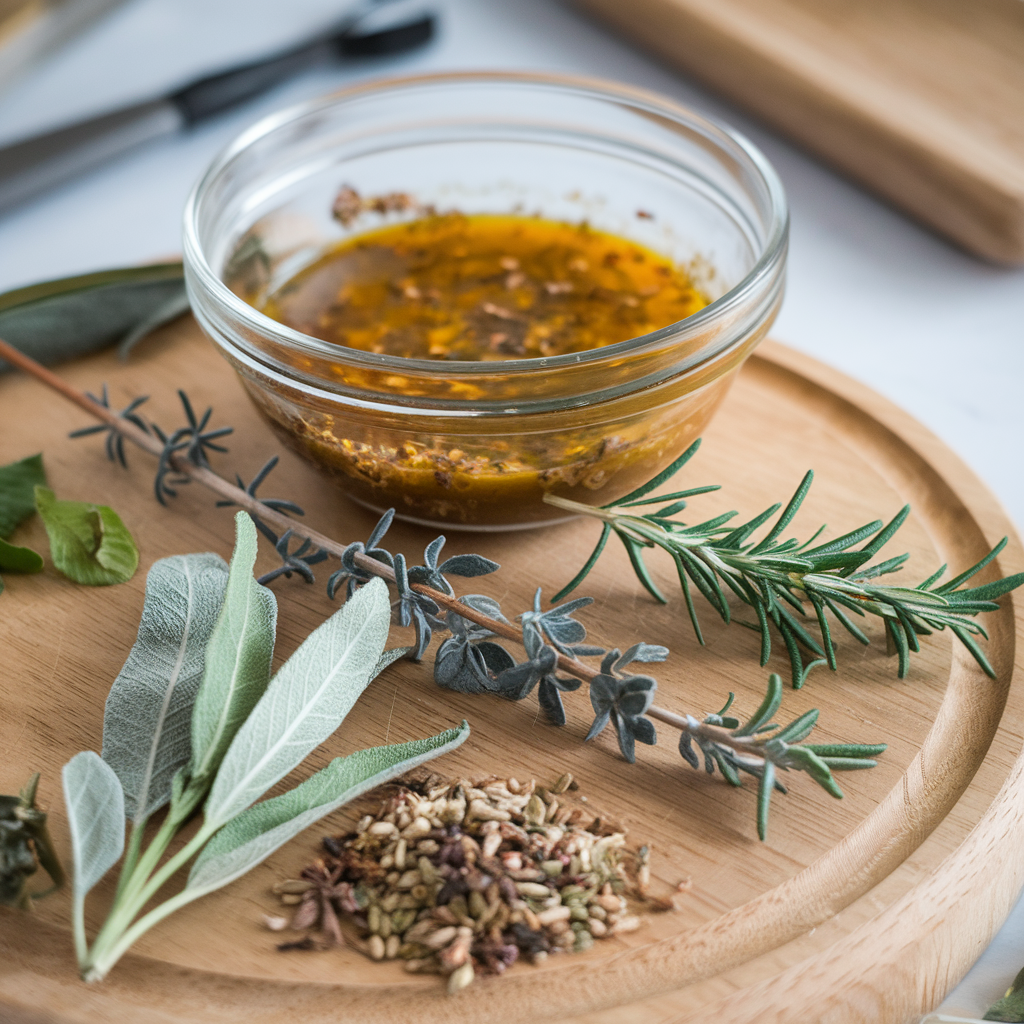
x: 920, y: 100
x: 862, y: 910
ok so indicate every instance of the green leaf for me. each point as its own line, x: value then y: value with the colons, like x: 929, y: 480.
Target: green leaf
x: 95, y: 806
x: 606, y: 530
x: 88, y: 543
x: 770, y: 704
x: 238, y: 659
x: 656, y: 481
x: 73, y: 316
x: 258, y: 831
x: 16, y: 559
x: 149, y: 708
x: 764, y: 799
x: 635, y: 551
x: 306, y: 701
x: 18, y: 481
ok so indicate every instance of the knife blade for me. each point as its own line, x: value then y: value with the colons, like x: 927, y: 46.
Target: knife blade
x: 35, y: 165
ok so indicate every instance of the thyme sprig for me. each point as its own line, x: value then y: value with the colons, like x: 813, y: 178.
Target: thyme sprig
x: 114, y: 438
x: 784, y: 581
x: 191, y: 443
x: 552, y: 639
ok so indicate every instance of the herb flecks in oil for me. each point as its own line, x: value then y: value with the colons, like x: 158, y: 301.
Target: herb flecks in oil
x: 485, y: 287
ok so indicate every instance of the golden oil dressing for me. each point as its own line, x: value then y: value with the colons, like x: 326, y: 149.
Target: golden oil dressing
x: 484, y: 287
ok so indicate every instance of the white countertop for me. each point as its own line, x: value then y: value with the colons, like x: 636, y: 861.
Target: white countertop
x: 870, y: 292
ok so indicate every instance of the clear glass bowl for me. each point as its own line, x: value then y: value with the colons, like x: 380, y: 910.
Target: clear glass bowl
x: 477, y: 444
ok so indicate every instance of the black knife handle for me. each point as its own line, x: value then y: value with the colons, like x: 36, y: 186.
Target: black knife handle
x: 219, y: 92
x: 216, y: 93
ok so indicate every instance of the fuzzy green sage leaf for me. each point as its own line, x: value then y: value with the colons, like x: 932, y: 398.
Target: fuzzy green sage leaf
x: 88, y: 543
x: 95, y: 806
x: 72, y: 316
x: 146, y: 724
x: 238, y: 661
x: 305, y: 702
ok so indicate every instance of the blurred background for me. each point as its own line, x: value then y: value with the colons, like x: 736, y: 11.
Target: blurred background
x: 923, y: 319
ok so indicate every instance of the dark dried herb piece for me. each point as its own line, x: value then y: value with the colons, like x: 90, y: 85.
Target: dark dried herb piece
x: 25, y: 846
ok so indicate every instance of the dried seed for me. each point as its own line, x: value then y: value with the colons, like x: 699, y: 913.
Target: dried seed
x: 460, y: 978
x: 535, y: 810
x: 408, y: 880
x: 598, y: 928
x: 417, y: 828
x: 391, y: 947
x: 533, y: 890
x: 456, y: 953
x: 290, y: 899
x: 374, y: 919
x: 491, y: 844
x: 480, y: 810
x: 275, y: 924
x: 385, y: 926
x: 401, y: 920
x: 552, y: 868
x: 477, y: 905
x: 553, y: 914
x: 382, y: 828
x: 440, y: 938
x: 563, y: 783
x: 376, y: 947
x: 420, y: 930
x: 400, y: 854
x: 390, y: 902
x: 625, y: 924
x: 292, y: 886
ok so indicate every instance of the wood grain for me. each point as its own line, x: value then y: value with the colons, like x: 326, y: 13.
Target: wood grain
x: 920, y: 100
x: 881, y: 900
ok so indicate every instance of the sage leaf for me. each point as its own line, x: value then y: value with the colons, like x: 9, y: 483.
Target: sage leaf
x: 73, y: 316
x: 18, y: 482
x: 238, y: 659
x: 306, y: 701
x: 88, y: 543
x: 95, y: 806
x: 257, y: 832
x: 146, y: 724
x: 17, y: 559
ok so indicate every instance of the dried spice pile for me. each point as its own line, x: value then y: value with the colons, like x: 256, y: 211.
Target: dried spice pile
x: 460, y: 879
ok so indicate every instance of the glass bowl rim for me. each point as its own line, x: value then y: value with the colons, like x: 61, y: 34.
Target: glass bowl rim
x: 600, y: 88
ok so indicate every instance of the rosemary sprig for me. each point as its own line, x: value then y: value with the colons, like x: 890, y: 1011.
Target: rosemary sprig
x: 470, y: 660
x: 785, y: 580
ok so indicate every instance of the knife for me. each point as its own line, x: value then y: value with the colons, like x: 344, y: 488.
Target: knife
x: 39, y: 163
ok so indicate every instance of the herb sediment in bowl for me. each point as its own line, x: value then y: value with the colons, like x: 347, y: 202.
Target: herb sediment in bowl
x: 585, y: 412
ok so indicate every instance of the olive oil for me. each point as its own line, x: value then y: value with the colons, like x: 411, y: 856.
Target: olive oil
x: 484, y: 287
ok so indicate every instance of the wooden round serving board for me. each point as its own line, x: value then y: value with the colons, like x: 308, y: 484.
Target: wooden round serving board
x: 862, y: 910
